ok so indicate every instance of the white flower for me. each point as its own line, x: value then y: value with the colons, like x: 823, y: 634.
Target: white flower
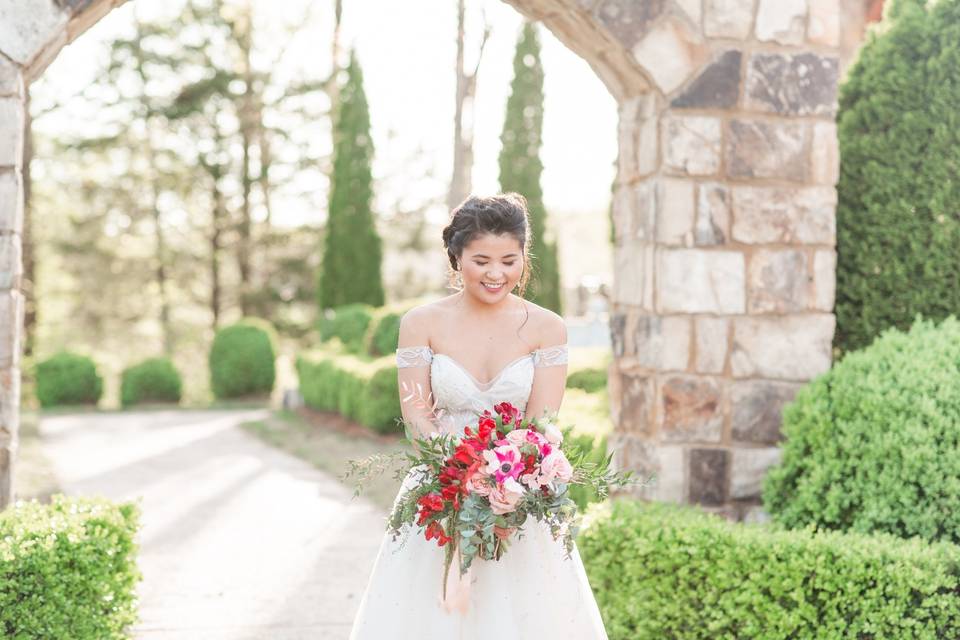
x: 552, y: 433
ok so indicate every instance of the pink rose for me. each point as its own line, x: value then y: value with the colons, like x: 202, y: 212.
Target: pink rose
x: 517, y: 437
x: 477, y: 483
x: 505, y: 497
x: 555, y: 466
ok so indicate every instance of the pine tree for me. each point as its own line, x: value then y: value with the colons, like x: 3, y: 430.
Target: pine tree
x: 350, y: 271
x: 521, y: 168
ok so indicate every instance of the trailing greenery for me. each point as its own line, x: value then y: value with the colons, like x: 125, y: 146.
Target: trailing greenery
x: 871, y: 445
x: 352, y: 254
x: 663, y: 571
x: 153, y: 380
x: 596, y: 450
x: 359, y: 389
x: 68, y: 570
x: 521, y: 167
x: 898, y: 226
x: 68, y: 378
x: 242, y: 359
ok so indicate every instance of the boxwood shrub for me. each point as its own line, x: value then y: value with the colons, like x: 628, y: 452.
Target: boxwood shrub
x: 152, y: 380
x: 589, y: 379
x: 349, y: 323
x: 68, y: 570
x: 872, y: 444
x: 662, y: 571
x: 242, y: 359
x: 360, y: 389
x: 68, y: 378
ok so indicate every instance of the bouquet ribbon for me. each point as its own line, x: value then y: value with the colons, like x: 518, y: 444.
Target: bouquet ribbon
x: 457, y: 588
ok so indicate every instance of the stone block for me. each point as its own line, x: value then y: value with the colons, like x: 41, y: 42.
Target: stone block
x: 824, y: 279
x: 756, y: 514
x: 637, y: 135
x: 802, y: 84
x: 783, y: 21
x: 756, y: 409
x: 712, y: 226
x: 634, y: 212
x: 691, y: 144
x: 728, y: 18
x: 748, y: 468
x: 701, y: 281
x: 629, y: 21
x: 823, y: 23
x: 693, y: 9
x: 671, y: 54
x: 11, y: 324
x: 675, y: 211
x: 26, y: 27
x: 663, y: 342
x: 10, y: 261
x: 708, y: 476
x: 718, y: 87
x: 670, y: 484
x: 636, y: 404
x: 9, y: 404
x: 763, y: 149
x: 712, y: 339
x: 796, y: 347
x: 618, y: 326
x: 11, y: 202
x: 778, y: 281
x: 11, y: 131
x: 634, y: 275
x: 691, y: 409
x: 804, y: 215
x: 825, y: 154
x: 636, y: 454
x: 11, y: 81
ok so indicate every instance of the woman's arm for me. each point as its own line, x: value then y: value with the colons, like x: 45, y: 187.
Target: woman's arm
x: 416, y: 394
x: 549, y: 382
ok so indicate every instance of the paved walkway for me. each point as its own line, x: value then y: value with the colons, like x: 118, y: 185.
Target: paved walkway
x: 240, y: 541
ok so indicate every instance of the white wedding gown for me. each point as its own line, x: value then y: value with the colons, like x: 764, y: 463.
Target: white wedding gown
x: 533, y: 591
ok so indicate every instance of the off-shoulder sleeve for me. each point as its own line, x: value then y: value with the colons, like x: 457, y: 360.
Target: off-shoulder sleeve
x: 419, y: 356
x: 550, y: 356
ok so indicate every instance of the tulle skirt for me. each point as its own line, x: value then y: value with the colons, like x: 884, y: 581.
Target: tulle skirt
x: 533, y: 591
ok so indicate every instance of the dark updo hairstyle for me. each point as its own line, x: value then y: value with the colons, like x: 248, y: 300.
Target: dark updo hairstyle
x: 498, y: 214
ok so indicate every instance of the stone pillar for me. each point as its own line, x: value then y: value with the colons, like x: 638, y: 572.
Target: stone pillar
x: 11, y: 299
x: 724, y: 215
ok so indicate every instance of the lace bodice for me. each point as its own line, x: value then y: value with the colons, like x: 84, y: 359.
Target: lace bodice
x: 462, y: 397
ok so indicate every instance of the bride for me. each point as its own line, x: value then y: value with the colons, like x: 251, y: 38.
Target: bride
x: 471, y: 350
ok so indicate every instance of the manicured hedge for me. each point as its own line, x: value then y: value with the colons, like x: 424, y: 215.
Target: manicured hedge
x: 242, y: 359
x: 153, y: 380
x: 364, y: 391
x: 899, y: 130
x: 589, y: 379
x: 68, y: 570
x: 68, y: 379
x: 662, y: 571
x: 348, y: 323
x: 872, y: 444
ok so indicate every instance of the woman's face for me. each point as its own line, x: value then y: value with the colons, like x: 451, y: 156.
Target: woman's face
x: 491, y: 260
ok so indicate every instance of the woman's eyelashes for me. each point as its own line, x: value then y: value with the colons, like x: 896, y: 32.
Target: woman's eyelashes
x: 482, y: 264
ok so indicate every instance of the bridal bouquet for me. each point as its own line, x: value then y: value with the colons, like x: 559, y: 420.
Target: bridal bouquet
x: 473, y: 486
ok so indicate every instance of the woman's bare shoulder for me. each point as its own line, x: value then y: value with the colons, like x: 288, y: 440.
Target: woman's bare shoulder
x: 550, y: 326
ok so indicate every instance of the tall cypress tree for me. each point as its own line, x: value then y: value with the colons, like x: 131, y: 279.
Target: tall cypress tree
x: 350, y: 271
x: 520, y: 165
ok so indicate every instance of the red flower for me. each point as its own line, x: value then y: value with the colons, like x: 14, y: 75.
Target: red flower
x: 508, y: 413
x: 485, y: 428
x: 449, y: 491
x: 435, y: 530
x: 431, y: 502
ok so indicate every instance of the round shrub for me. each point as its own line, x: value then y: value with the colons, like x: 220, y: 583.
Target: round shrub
x: 899, y: 130
x: 348, y: 323
x: 590, y: 380
x: 385, y: 334
x: 871, y: 445
x: 242, y: 359
x: 153, y: 380
x: 68, y: 379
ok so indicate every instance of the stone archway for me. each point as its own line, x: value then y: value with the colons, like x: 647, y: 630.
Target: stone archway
x: 724, y: 215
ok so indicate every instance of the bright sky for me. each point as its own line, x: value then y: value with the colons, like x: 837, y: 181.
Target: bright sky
x: 407, y: 51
